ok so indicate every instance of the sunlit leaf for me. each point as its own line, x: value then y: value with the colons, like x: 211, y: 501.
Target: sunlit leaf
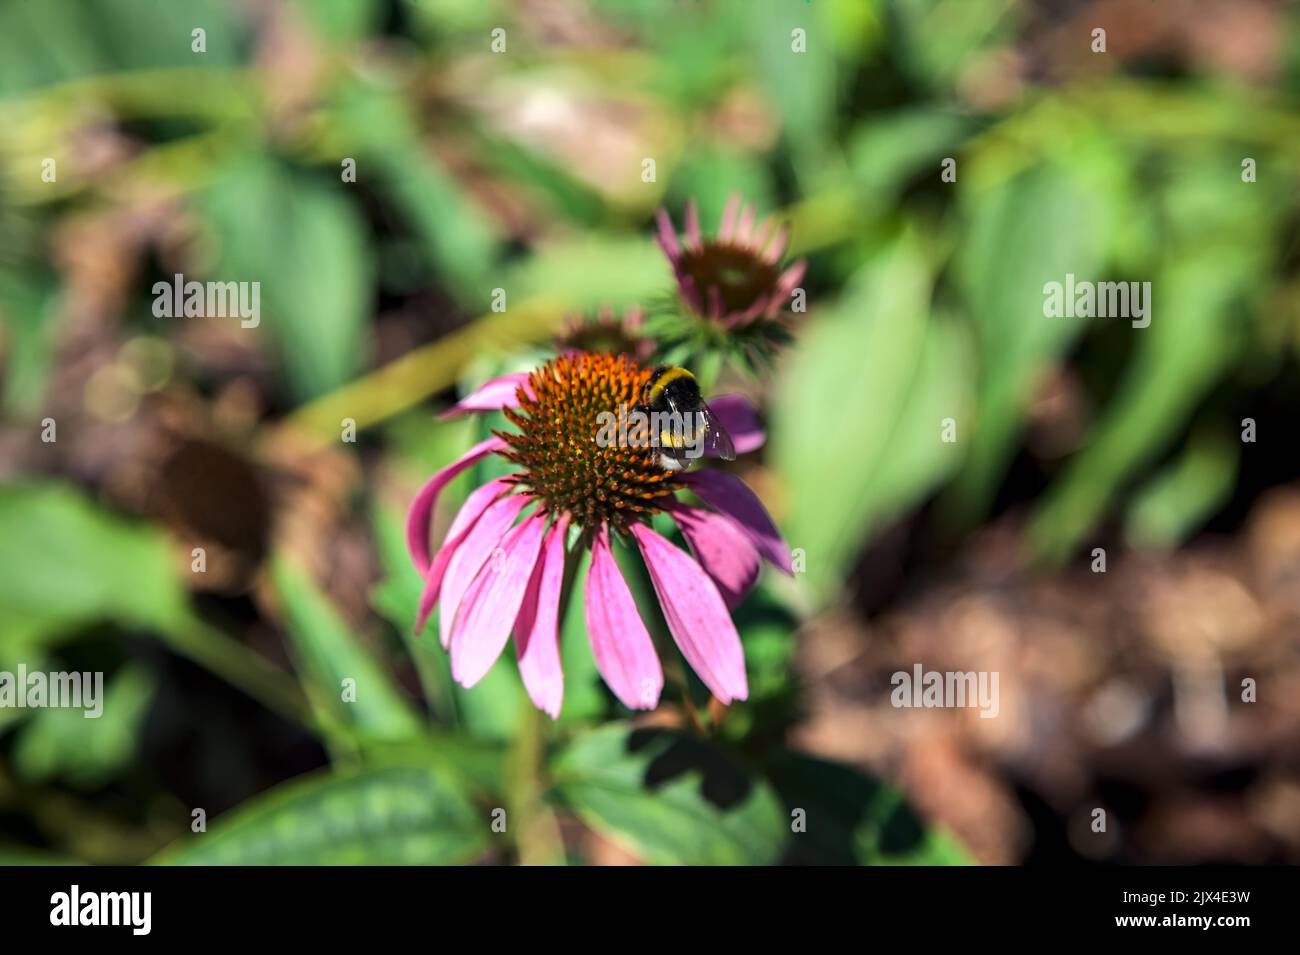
x: 670, y: 798
x: 87, y: 745
x: 392, y: 815
x: 65, y: 561
x: 1029, y: 231
x: 857, y: 424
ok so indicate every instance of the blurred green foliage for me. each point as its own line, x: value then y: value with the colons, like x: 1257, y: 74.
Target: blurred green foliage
x: 478, y: 171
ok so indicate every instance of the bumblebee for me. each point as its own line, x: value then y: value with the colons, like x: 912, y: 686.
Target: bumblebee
x: 674, y: 395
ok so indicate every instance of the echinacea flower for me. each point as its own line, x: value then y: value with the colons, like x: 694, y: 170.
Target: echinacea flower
x: 606, y: 331
x: 501, y: 568
x: 734, y: 278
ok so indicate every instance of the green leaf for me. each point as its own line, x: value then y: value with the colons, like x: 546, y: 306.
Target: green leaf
x: 878, y: 368
x: 1178, y: 500
x: 305, y: 244
x: 343, y: 20
x: 11, y: 855
x: 802, y: 85
x: 1024, y: 233
x: 454, y: 235
x: 329, y: 655
x: 389, y: 815
x: 592, y: 270
x: 852, y: 819
x: 1179, y: 356
x: 670, y: 798
x: 938, y: 39
x: 711, y: 175
x: 456, y: 238
x: 28, y: 309
x: 65, y: 742
x: 886, y: 151
x: 142, y: 34
x: 66, y: 562
x: 37, y: 46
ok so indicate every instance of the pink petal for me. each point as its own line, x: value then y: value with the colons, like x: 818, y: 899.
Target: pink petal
x: 417, y: 520
x: 746, y: 223
x: 478, y: 501
x: 778, y: 245
x: 741, y: 421
x: 740, y: 319
x: 488, y: 611
x: 483, y: 538
x: 537, y: 642
x: 692, y: 294
x: 667, y: 236
x: 729, y: 217
x: 625, y: 655
x: 693, y: 238
x: 715, y: 301
x: 696, y: 615
x: 785, y: 287
x: 496, y: 394
x: 728, y: 494
x: 722, y: 549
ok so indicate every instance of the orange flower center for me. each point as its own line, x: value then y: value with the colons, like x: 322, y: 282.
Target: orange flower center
x: 559, y: 445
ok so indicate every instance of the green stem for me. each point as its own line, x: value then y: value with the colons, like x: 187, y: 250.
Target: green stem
x: 537, y: 832
x: 408, y: 380
x: 213, y: 650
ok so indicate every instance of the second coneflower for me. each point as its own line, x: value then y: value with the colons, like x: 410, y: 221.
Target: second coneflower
x: 734, y: 277
x: 500, y: 569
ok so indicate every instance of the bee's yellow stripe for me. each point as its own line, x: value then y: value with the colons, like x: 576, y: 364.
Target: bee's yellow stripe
x: 663, y: 381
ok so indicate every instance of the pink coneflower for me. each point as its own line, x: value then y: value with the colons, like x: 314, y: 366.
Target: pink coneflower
x: 608, y: 331
x: 734, y: 278
x: 500, y: 569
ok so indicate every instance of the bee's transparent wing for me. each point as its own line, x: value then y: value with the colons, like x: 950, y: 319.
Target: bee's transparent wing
x: 716, y: 439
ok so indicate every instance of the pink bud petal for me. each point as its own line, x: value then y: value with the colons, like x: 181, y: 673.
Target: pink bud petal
x: 728, y: 494
x: 696, y: 615
x: 746, y: 224
x: 729, y: 217
x: 716, y: 307
x: 691, y: 293
x: 625, y: 655
x: 694, y: 241
x: 537, y: 627
x: 785, y: 286
x: 421, y: 513
x: 667, y: 236
x: 777, y: 249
